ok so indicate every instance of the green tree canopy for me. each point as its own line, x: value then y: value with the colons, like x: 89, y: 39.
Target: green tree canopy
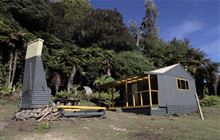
x: 130, y: 63
x: 105, y: 29
x: 67, y: 16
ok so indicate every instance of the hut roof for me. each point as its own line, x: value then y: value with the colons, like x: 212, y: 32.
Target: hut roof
x: 165, y: 69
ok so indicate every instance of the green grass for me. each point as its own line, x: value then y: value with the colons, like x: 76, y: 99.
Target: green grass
x: 116, y: 126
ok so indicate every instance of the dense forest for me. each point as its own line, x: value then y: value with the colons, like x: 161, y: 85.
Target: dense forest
x: 88, y: 46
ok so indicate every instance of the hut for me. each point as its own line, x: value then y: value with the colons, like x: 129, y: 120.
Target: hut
x: 163, y: 91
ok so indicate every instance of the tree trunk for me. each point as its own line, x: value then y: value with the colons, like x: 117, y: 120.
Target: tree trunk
x: 109, y: 70
x: 71, y: 78
x: 14, y: 68
x: 215, y: 84
x: 58, y: 83
x: 55, y: 83
x: 10, y: 70
x: 139, y: 34
x: 138, y: 39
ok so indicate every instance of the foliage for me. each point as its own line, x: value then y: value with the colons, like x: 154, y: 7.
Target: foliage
x: 96, y: 62
x: 80, y: 95
x: 102, y: 80
x: 210, y: 101
x: 42, y: 126
x: 31, y: 14
x: 12, y: 49
x: 86, y: 103
x: 63, y: 94
x: 5, y: 91
x: 130, y: 63
x: 148, y: 26
x: 105, y: 97
x: 82, y: 44
x: 104, y: 29
x: 67, y: 16
x: 149, y: 21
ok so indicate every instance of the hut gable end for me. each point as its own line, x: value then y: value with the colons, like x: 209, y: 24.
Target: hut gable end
x: 179, y: 71
x: 174, y: 70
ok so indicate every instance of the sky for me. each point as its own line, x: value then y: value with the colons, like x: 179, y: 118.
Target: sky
x: 196, y: 20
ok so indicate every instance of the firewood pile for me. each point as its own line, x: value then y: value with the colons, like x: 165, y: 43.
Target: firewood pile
x: 49, y: 113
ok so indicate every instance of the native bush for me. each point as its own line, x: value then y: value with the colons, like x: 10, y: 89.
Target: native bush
x: 105, y: 97
x: 210, y: 101
x: 62, y: 94
x: 5, y: 91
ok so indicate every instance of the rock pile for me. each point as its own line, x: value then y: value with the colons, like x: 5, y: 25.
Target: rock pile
x: 49, y: 113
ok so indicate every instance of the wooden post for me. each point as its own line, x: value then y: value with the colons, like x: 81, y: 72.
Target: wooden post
x: 126, y: 93
x: 99, y: 99
x: 112, y: 96
x: 141, y: 98
x: 199, y: 107
x: 149, y: 89
x: 133, y: 99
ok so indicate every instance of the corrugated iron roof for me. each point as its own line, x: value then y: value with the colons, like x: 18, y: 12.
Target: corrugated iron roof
x: 165, y: 69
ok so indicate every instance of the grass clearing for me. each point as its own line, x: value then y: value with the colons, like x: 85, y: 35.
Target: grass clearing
x: 118, y: 126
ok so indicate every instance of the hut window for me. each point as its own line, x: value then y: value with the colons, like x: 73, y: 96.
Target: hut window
x: 182, y: 84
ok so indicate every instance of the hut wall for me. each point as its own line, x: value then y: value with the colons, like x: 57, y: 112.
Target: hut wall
x: 180, y: 101
x: 177, y: 101
x: 162, y: 90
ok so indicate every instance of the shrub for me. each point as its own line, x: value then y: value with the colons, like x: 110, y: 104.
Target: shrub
x: 105, y: 97
x: 42, y: 126
x: 5, y: 91
x: 210, y: 101
x: 86, y: 103
x: 62, y: 94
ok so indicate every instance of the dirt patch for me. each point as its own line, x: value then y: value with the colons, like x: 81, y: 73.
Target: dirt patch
x: 24, y: 126
x: 144, y: 136
x: 3, y: 125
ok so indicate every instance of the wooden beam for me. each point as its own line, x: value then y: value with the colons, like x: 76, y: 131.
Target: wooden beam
x: 81, y: 107
x: 149, y: 88
x: 199, y: 107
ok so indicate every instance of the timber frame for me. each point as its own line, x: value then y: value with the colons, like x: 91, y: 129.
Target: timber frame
x: 139, y: 91
x: 166, y: 90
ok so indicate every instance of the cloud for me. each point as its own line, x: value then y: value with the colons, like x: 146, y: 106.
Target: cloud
x: 212, y: 49
x: 183, y: 29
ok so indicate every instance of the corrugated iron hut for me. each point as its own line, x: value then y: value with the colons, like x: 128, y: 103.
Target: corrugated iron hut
x: 167, y: 90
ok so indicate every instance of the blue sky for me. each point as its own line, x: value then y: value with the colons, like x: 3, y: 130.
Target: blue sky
x: 197, y: 20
